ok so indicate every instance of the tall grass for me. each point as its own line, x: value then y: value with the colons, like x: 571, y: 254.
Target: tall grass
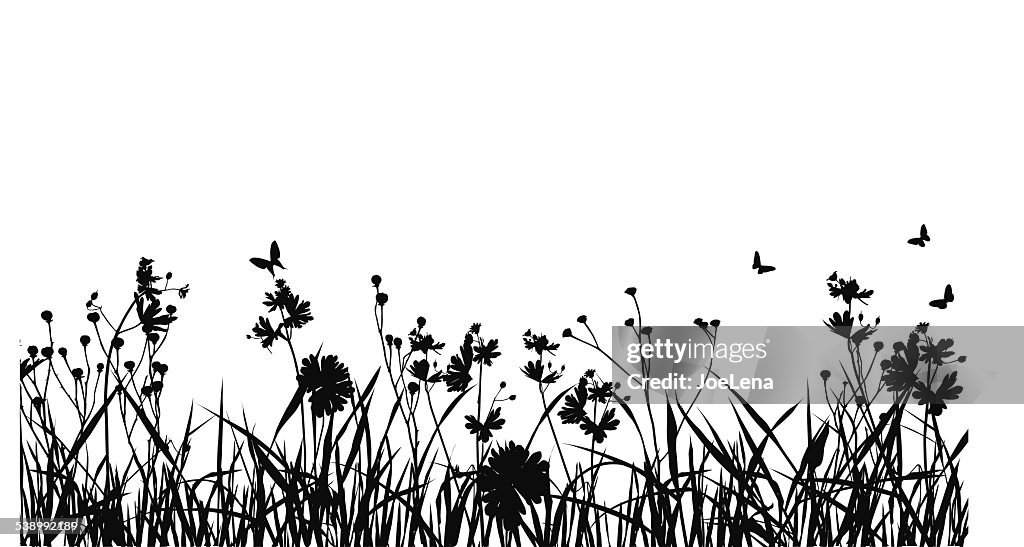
x: 362, y: 461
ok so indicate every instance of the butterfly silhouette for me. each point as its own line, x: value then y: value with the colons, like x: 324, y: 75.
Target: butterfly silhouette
x: 275, y: 260
x: 757, y: 265
x: 919, y: 241
x: 947, y: 297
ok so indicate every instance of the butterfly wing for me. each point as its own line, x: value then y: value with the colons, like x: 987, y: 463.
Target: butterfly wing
x: 941, y: 304
x: 916, y: 241
x: 948, y: 295
x: 757, y: 261
x: 275, y: 251
x: 765, y: 269
x: 924, y: 234
x: 260, y: 263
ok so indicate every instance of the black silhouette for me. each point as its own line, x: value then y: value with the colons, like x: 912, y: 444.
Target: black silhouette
x: 512, y: 478
x: 947, y: 297
x: 921, y: 239
x: 459, y: 372
x: 273, y: 261
x: 761, y: 269
x: 328, y: 382
x: 484, y: 431
x: 371, y: 463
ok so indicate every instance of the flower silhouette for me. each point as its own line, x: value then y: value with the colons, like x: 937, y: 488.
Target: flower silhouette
x: 484, y: 431
x: 511, y: 478
x: 534, y: 370
x: 150, y: 317
x: 486, y: 353
x: 424, y: 342
x: 936, y: 400
x: 145, y: 279
x: 538, y: 343
x: 298, y: 313
x: 574, y: 411
x: 276, y: 300
x: 843, y: 325
x: 601, y: 392
x: 265, y: 332
x: 848, y: 291
x: 420, y: 369
x: 600, y: 430
x: 458, y: 376
x: 901, y: 369
x: 328, y: 381
x: 938, y: 352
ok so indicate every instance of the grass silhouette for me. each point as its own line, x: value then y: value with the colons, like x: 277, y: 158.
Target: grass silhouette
x: 368, y: 464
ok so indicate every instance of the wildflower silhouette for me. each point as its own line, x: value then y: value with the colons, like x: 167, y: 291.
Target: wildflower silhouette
x: 485, y: 430
x: 486, y: 353
x: 420, y: 369
x: 535, y: 371
x: 574, y: 410
x: 538, y: 343
x: 375, y: 465
x: 328, y: 382
x: 459, y: 373
x: 512, y: 479
x: 599, y: 430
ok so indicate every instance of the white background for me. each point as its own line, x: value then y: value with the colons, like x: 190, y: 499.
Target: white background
x: 515, y: 164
